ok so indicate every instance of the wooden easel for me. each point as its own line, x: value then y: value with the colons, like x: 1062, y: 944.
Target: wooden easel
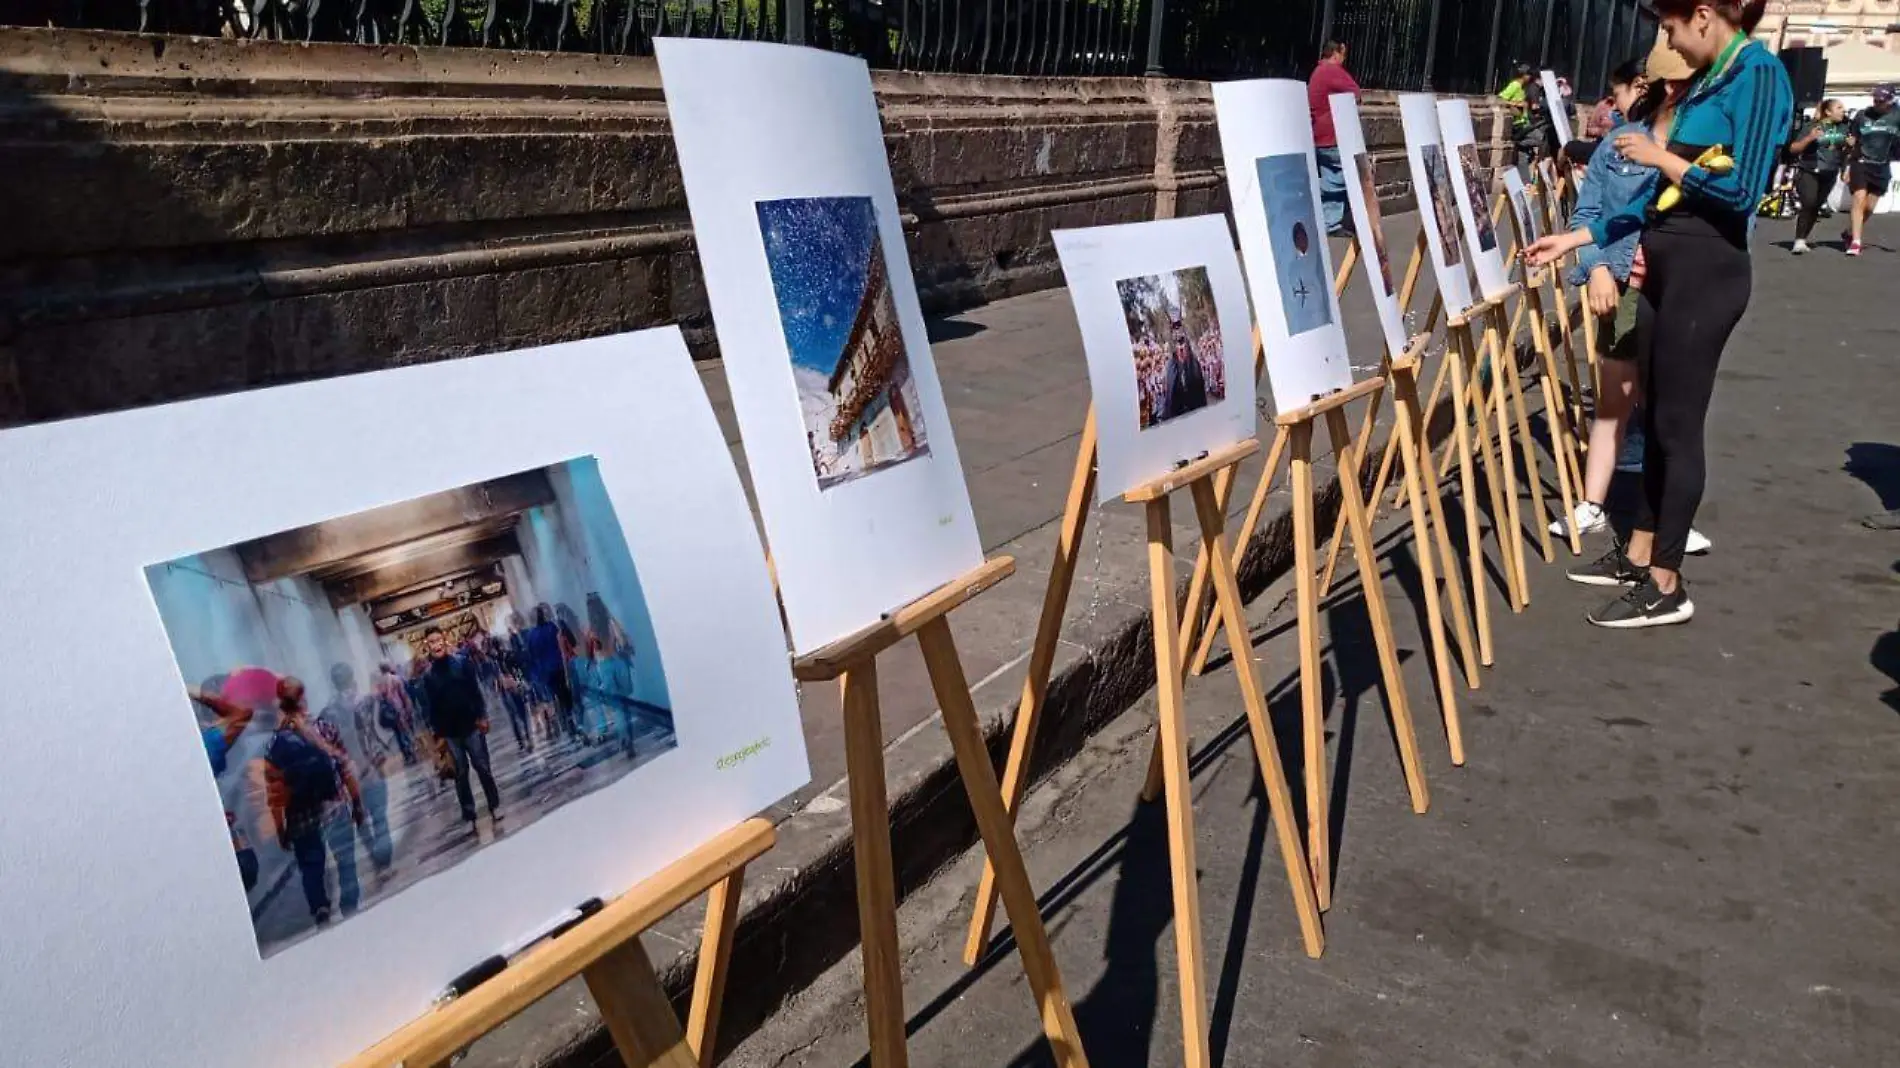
x: 1298, y: 426
x: 1055, y: 601
x: 1294, y: 435
x: 1256, y: 508
x: 1376, y: 498
x: 1177, y: 790
x: 605, y: 950
x: 1559, y: 417
x: 853, y: 662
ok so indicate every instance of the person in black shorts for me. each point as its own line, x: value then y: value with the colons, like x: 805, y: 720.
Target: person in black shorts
x: 1871, y: 136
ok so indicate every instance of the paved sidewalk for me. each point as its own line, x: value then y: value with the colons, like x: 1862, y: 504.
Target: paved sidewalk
x: 1669, y: 847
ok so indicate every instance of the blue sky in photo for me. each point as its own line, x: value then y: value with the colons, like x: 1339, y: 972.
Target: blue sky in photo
x: 818, y: 250
x: 1286, y: 192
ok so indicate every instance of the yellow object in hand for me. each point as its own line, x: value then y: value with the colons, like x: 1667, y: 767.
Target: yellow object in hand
x: 1713, y: 160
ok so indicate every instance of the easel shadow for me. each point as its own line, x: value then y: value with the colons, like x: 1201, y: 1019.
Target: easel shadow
x: 1127, y: 1000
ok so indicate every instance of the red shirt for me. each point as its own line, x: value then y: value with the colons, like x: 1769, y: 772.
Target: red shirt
x: 1328, y: 78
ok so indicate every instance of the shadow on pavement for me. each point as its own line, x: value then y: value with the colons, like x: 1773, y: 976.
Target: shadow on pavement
x: 1878, y: 465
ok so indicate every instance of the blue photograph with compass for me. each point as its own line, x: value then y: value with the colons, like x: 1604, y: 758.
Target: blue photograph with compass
x: 1286, y: 191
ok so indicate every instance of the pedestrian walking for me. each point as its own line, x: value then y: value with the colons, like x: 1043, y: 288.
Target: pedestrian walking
x: 1871, y: 138
x: 461, y: 721
x: 361, y: 712
x: 1329, y: 79
x: 1698, y: 277
x: 394, y: 711
x: 1819, y: 151
x: 313, y: 801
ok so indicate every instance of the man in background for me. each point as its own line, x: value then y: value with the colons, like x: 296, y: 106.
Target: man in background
x: 1530, y: 122
x: 461, y: 719
x: 1328, y: 78
x: 1871, y: 136
x: 1187, y: 387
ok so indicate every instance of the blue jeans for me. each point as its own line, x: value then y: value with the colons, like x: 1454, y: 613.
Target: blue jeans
x: 314, y: 846
x: 472, y: 749
x: 376, y: 806
x: 1332, y: 189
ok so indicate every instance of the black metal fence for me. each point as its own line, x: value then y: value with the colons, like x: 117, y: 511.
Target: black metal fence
x: 1444, y: 45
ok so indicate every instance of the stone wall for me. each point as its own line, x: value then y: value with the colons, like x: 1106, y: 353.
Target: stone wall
x: 191, y: 216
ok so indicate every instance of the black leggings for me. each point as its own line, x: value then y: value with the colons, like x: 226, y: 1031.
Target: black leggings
x: 1694, y: 293
x: 1813, y: 188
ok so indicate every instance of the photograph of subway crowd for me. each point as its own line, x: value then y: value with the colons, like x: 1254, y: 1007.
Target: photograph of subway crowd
x: 384, y: 694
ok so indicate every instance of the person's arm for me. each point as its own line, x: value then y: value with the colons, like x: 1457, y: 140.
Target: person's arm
x: 232, y: 717
x: 1590, y: 204
x: 1759, y: 105
x: 268, y: 783
x: 1801, y: 144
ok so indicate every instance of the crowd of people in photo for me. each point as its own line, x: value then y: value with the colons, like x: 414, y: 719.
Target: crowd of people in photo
x: 1180, y: 374
x: 320, y: 781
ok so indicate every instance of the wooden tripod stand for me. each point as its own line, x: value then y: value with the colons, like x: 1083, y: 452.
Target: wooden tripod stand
x: 853, y: 662
x: 605, y: 950
x: 1055, y: 601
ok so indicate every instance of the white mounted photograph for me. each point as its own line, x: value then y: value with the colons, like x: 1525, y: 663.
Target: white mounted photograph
x: 1163, y: 311
x: 1368, y: 219
x: 1266, y: 136
x: 846, y: 435
x: 1472, y: 191
x: 1521, y: 210
x: 1437, y: 202
x: 365, y: 723
x: 1558, y: 106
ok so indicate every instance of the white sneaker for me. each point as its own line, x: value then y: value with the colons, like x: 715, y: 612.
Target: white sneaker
x: 1589, y: 518
x: 1697, y: 543
x: 1799, y: 247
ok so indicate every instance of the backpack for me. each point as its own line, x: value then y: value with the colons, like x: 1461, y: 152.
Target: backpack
x: 309, y: 771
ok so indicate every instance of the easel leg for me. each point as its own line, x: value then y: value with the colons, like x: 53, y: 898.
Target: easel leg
x: 1374, y: 594
x: 1474, y: 546
x: 877, y: 894
x: 1319, y: 849
x: 1042, y: 658
x: 1179, y: 790
x: 634, y: 1007
x: 1528, y: 445
x: 1255, y: 509
x: 999, y: 840
x: 1563, y: 442
x: 1340, y: 531
x: 1509, y: 523
x: 1406, y: 386
x: 1259, y: 725
x: 1480, y: 415
x: 1428, y: 578
x: 715, y: 958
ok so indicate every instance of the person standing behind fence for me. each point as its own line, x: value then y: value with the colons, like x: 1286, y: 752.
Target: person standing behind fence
x: 1818, y: 154
x: 1330, y: 78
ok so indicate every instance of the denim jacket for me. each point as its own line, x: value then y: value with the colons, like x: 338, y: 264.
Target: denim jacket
x: 1610, y: 181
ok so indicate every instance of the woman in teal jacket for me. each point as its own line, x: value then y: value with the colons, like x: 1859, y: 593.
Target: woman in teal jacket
x: 1720, y: 149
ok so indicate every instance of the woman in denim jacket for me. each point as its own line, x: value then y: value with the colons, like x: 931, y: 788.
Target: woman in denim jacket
x: 1605, y: 275
x: 1612, y: 276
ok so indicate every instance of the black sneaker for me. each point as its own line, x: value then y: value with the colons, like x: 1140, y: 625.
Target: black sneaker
x: 1646, y: 606
x: 1610, y: 569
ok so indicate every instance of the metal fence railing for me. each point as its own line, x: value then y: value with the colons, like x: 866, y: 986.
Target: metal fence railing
x: 1444, y: 45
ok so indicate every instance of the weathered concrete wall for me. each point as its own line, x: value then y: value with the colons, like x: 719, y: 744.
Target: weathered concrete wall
x: 192, y: 216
